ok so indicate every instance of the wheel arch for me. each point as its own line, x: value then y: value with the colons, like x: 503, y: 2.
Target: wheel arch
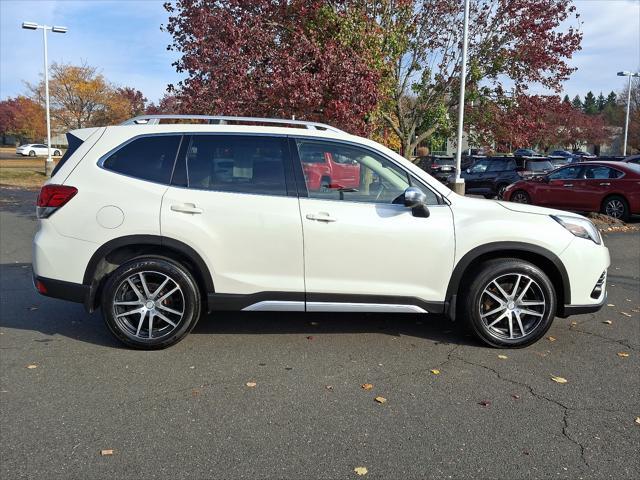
x: 119, y: 250
x: 546, y: 260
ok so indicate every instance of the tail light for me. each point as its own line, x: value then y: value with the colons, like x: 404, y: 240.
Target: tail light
x: 52, y: 197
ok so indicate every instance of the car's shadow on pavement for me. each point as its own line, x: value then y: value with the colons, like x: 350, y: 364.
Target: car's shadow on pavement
x: 23, y: 308
x: 436, y: 328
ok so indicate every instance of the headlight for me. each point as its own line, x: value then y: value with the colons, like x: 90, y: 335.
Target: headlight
x: 580, y: 227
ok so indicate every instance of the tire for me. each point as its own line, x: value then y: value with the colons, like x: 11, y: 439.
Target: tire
x: 56, y: 153
x: 497, y: 324
x: 32, y: 153
x: 500, y: 191
x: 616, y: 206
x: 180, y: 308
x: 489, y: 196
x: 520, y: 196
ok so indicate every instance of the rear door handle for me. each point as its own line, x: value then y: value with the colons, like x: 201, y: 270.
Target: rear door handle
x: 605, y: 184
x: 568, y: 185
x: 320, y: 217
x: 186, y: 208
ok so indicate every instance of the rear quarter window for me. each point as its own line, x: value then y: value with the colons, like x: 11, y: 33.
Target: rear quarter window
x: 147, y: 158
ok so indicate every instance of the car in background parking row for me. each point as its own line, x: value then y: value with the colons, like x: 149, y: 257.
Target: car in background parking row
x: 491, y: 175
x: 35, y: 149
x: 612, y: 188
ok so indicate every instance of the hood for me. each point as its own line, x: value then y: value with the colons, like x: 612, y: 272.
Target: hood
x: 497, y: 207
x: 526, y: 208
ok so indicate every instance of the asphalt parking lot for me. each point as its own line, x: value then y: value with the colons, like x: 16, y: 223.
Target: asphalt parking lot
x: 187, y: 412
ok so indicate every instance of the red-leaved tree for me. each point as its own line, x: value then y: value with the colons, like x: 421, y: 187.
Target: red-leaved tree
x: 276, y: 58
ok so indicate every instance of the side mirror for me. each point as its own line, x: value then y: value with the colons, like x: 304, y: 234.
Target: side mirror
x: 416, y: 199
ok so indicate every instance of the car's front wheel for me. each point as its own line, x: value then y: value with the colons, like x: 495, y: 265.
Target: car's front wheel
x: 509, y: 303
x: 520, y: 196
x: 151, y: 303
x: 56, y: 153
x: 32, y: 153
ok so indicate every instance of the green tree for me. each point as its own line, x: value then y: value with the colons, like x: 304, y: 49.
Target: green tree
x: 576, y: 102
x: 601, y: 102
x: 590, y: 105
x: 566, y: 99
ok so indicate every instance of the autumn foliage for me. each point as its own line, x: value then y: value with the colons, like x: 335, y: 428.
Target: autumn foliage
x: 275, y: 59
x: 22, y: 118
x: 533, y: 120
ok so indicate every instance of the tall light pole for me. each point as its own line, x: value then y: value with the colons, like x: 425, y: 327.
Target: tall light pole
x: 626, y: 122
x: 48, y: 166
x: 458, y: 185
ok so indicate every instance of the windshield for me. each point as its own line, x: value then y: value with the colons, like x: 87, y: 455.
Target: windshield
x: 540, y: 166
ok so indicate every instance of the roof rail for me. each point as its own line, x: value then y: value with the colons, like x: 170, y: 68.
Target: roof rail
x: 222, y: 120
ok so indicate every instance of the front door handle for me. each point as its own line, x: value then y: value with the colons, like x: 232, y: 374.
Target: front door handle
x: 320, y: 217
x: 186, y: 208
x: 605, y: 184
x: 568, y: 185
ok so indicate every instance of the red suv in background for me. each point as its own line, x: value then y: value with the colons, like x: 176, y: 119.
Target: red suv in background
x: 612, y: 188
x: 324, y: 168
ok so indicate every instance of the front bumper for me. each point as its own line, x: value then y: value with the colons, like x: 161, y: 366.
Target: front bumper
x: 568, y: 310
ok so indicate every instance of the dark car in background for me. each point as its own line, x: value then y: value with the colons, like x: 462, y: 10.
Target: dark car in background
x: 491, y: 175
x: 440, y: 167
x: 633, y: 159
x: 526, y: 152
x: 583, y: 155
x: 612, y: 188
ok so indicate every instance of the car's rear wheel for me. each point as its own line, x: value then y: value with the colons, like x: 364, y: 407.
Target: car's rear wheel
x: 32, y: 153
x: 151, y: 303
x: 520, y: 196
x: 510, y: 303
x: 56, y: 153
x: 616, y: 206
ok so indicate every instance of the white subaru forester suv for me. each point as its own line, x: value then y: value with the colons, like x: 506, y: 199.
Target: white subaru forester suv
x: 158, y: 222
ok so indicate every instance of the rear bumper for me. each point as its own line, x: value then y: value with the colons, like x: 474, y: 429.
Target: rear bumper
x: 73, y: 292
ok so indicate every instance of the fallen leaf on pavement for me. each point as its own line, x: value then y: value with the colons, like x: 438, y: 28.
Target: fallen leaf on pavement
x: 551, y: 339
x: 574, y: 324
x: 195, y: 393
x: 251, y: 384
x: 32, y: 366
x: 360, y: 470
x: 626, y: 314
x: 559, y: 379
x: 367, y: 386
x: 623, y: 354
x: 502, y: 357
x: 310, y: 337
x: 637, y: 420
x: 380, y: 400
x: 608, y: 322
x: 515, y: 397
x: 610, y: 305
x: 484, y: 403
x: 435, y: 371
x: 329, y: 387
x: 107, y: 452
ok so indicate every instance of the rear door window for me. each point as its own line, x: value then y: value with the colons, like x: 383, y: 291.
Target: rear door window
x: 600, y: 172
x: 147, y: 158
x: 238, y: 163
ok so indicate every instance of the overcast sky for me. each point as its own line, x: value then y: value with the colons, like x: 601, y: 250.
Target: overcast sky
x: 123, y: 39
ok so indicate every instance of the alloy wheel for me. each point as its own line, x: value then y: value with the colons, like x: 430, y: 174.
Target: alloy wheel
x: 148, y: 305
x: 520, y: 197
x: 614, y: 208
x: 512, y: 306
